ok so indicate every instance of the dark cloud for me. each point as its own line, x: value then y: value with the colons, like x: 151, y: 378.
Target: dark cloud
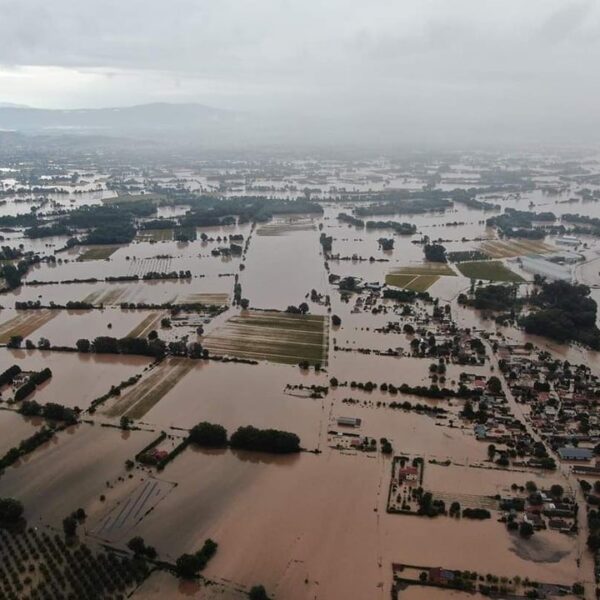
x: 410, y: 63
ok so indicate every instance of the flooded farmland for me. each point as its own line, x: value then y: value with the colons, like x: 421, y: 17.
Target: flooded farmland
x: 325, y: 378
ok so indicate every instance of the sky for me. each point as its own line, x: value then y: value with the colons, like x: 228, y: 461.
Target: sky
x: 524, y: 66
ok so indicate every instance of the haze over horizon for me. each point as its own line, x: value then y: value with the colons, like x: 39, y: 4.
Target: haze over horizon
x: 345, y: 71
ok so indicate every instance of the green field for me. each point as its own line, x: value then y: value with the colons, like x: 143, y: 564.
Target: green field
x: 415, y: 283
x: 273, y: 336
x: 511, y: 248
x: 124, y: 198
x: 430, y: 268
x: 154, y: 235
x: 491, y: 270
x: 98, y: 253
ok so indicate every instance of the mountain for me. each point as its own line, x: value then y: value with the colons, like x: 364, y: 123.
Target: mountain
x: 141, y: 118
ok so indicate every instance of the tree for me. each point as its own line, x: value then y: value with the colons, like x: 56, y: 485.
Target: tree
x: 70, y: 526
x: 525, y: 529
x: 258, y: 592
x: 188, y: 566
x: 209, y: 434
x: 435, y: 252
x: 491, y: 451
x: 83, y: 345
x: 244, y: 303
x: 557, y: 490
x: 137, y: 545
x: 15, y: 341
x: 265, y: 440
x: 11, y: 510
x: 336, y: 321
x: 494, y: 385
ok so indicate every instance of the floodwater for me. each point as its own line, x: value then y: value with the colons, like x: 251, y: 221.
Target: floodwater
x: 77, y: 379
x: 16, y: 428
x: 80, y: 463
x: 309, y: 526
x: 235, y: 395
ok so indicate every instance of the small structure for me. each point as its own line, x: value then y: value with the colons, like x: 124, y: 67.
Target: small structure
x: 408, y: 474
x: 568, y: 240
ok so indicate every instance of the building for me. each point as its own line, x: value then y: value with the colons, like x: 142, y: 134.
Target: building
x: 568, y: 240
x: 573, y: 453
x: 539, y: 266
x: 349, y: 421
x: 408, y: 474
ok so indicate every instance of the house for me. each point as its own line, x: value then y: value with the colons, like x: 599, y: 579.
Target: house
x: 441, y: 576
x: 408, y: 474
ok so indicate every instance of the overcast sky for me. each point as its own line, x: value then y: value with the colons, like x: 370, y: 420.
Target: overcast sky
x: 481, y: 63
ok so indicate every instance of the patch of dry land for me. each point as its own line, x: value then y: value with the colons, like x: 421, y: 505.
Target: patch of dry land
x: 154, y: 235
x: 283, y: 228
x: 491, y: 270
x: 272, y: 336
x: 140, y: 398
x: 206, y: 299
x: 418, y: 278
x: 25, y: 323
x: 97, y: 252
x: 512, y: 248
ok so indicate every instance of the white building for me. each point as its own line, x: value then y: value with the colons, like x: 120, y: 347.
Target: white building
x: 538, y: 266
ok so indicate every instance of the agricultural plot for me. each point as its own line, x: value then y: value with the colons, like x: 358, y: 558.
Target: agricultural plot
x: 491, y: 270
x: 25, y: 323
x: 512, y: 248
x: 97, y: 253
x: 430, y: 268
x: 124, y: 198
x: 206, y: 299
x: 154, y: 235
x: 272, y: 336
x: 126, y: 513
x: 418, y: 278
x: 149, y: 391
x: 284, y: 228
x: 148, y: 323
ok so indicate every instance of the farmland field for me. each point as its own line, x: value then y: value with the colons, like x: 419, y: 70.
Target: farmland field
x: 273, y: 336
x: 25, y: 323
x: 136, y: 402
x: 491, y: 270
x: 512, y: 248
x: 97, y: 252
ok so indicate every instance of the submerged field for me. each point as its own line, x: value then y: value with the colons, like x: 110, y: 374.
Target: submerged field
x: 273, y: 336
x: 25, y: 323
x: 136, y: 402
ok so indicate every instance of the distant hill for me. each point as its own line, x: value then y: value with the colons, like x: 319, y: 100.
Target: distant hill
x: 144, y: 117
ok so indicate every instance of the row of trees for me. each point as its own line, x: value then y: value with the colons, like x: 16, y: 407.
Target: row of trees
x: 246, y: 438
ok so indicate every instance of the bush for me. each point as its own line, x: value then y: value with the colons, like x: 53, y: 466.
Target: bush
x: 258, y: 592
x: 11, y: 510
